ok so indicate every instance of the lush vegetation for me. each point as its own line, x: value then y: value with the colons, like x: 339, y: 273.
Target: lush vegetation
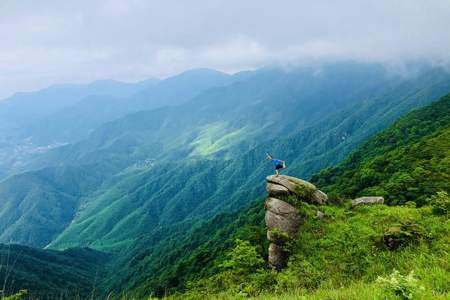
x: 384, y: 251
x: 170, y: 264
x: 410, y: 161
x: 343, y: 255
x: 47, y: 274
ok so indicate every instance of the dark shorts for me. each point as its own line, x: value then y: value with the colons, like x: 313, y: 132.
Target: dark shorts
x: 278, y: 167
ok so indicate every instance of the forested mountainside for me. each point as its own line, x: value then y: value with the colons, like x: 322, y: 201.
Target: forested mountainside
x: 340, y: 255
x: 173, y: 166
x: 48, y: 274
x: 407, y: 162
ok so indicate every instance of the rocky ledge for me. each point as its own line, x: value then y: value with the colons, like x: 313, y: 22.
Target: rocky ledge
x: 282, y: 214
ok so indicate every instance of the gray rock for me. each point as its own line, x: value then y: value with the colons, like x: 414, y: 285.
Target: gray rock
x: 283, y: 181
x: 367, y: 201
x: 280, y: 207
x: 277, y: 256
x: 319, y: 197
x: 291, y: 183
x: 276, y: 190
x: 282, y: 216
x: 302, y: 189
x: 320, y: 215
x: 283, y: 219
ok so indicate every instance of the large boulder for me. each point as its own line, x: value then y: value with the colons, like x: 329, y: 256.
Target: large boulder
x: 282, y: 216
x: 276, y: 190
x: 367, y: 201
x: 282, y: 185
x: 291, y: 183
x: 319, y: 197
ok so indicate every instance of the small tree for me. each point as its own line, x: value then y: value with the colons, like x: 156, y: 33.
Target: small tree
x: 243, y: 259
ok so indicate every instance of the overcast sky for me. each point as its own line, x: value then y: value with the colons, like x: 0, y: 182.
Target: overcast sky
x: 52, y: 41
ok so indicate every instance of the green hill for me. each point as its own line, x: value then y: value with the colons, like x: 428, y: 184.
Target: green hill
x: 47, y: 274
x: 338, y: 257
x: 410, y: 161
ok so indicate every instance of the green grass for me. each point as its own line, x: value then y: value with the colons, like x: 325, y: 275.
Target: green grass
x: 341, y: 257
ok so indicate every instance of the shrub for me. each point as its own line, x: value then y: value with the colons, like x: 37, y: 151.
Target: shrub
x: 410, y: 204
x: 279, y: 236
x: 440, y: 203
x: 403, y: 234
x: 405, y: 287
x: 336, y: 199
x: 243, y: 259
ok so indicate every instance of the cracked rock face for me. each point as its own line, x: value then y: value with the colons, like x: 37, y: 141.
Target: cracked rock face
x: 282, y: 218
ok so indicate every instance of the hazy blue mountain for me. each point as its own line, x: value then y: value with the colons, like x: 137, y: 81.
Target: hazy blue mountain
x: 22, y: 117
x: 76, y: 121
x: 24, y: 108
x: 74, y: 118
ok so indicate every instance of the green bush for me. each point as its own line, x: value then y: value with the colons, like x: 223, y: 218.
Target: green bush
x: 243, y: 259
x: 403, y: 234
x: 440, y: 203
x: 241, y: 274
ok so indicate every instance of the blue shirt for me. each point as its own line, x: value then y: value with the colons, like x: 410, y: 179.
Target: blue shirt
x: 276, y: 162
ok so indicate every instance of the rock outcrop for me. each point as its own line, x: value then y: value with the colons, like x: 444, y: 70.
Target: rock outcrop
x: 282, y: 216
x: 367, y: 201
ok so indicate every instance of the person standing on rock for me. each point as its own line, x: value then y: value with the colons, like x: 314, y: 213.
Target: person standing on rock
x: 278, y: 164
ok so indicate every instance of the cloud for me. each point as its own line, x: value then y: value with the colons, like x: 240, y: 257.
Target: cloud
x: 45, y: 42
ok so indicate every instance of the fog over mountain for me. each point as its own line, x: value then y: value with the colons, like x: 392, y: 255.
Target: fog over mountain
x: 47, y: 42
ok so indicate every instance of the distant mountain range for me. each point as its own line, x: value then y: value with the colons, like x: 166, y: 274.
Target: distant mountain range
x: 32, y: 123
x: 195, y: 147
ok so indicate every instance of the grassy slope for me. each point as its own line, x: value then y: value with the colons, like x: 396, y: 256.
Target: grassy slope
x: 341, y: 256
